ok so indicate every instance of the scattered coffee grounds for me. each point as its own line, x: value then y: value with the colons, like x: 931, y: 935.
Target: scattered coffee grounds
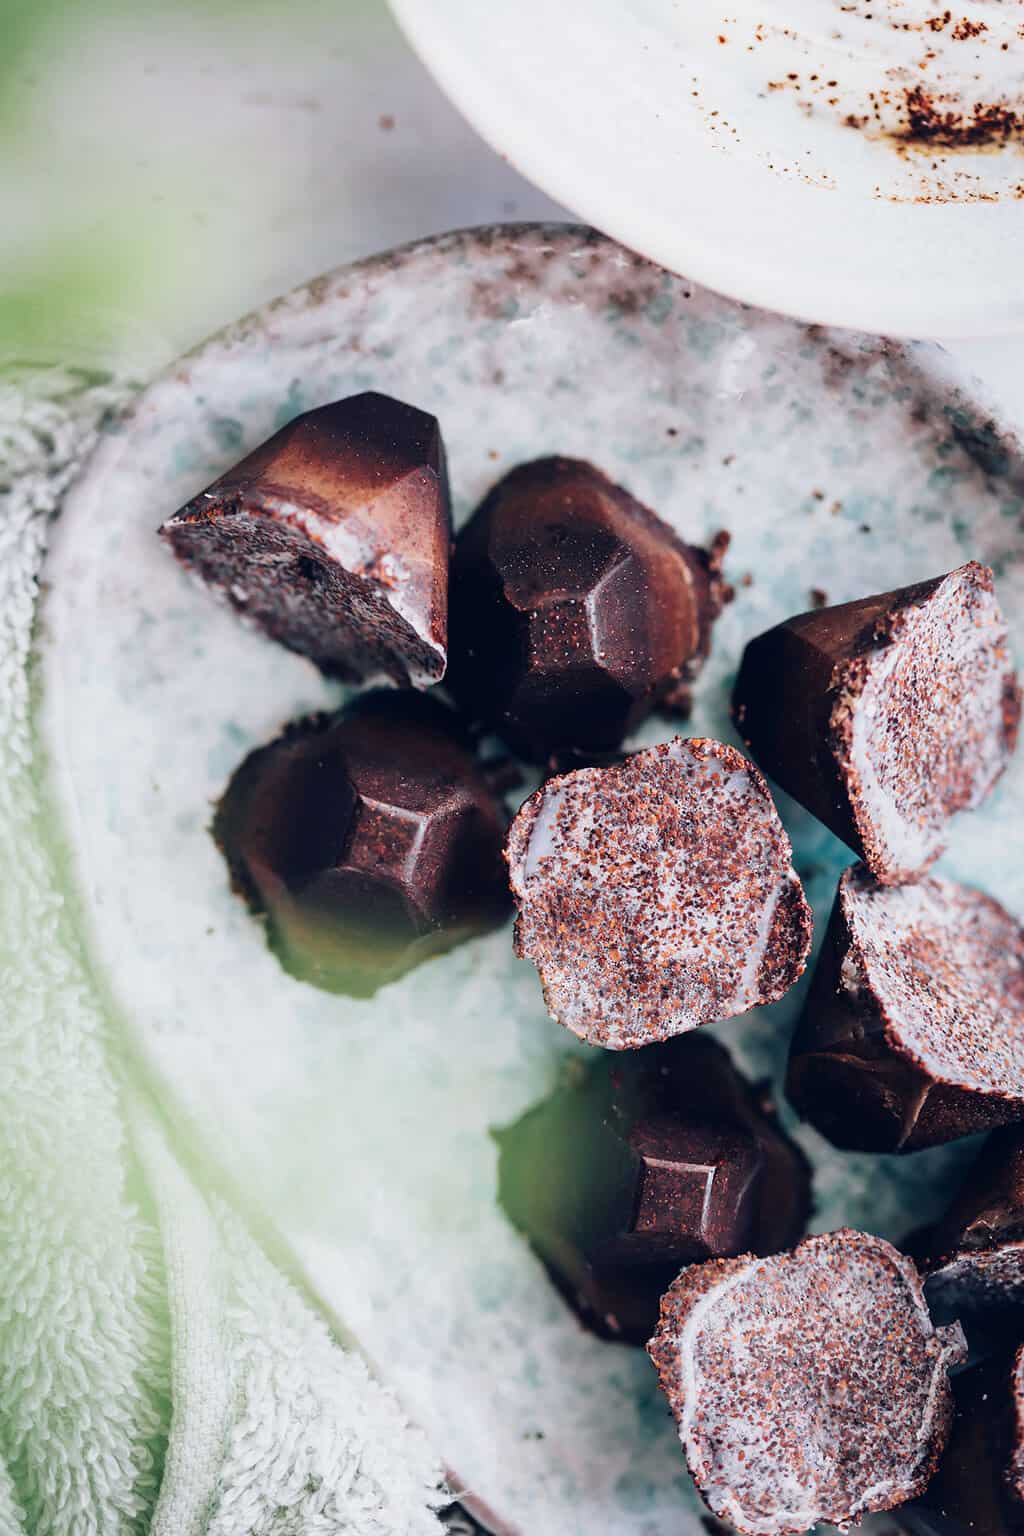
x: 657, y: 895
x: 886, y: 717
x: 809, y: 1386
x: 333, y: 537
x: 574, y: 609
x: 641, y: 1163
x: 913, y: 1032
x: 973, y: 1259
x: 370, y: 840
x: 978, y: 1489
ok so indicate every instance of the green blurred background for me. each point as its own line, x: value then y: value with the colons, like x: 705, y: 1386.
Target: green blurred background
x: 167, y: 164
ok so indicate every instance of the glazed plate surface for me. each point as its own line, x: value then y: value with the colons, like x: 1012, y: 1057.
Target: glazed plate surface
x: 357, y: 1133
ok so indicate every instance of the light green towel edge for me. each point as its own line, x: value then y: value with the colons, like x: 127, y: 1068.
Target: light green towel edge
x: 157, y: 1372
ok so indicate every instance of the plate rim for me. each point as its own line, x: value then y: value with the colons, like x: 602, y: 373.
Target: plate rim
x: 315, y: 294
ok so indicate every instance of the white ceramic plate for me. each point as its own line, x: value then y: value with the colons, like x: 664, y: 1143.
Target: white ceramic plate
x: 856, y: 164
x: 360, y: 1130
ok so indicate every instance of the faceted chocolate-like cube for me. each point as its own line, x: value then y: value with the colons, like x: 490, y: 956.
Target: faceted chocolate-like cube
x: 333, y: 537
x: 370, y: 841
x: 885, y: 717
x: 973, y: 1258
x: 636, y: 1165
x: 574, y: 609
x: 658, y: 894
x: 809, y: 1386
x: 913, y: 1031
x: 978, y: 1489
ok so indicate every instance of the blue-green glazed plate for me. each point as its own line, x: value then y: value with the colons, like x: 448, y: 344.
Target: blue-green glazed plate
x: 358, y: 1132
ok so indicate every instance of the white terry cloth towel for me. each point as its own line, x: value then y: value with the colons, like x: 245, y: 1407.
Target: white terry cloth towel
x: 158, y: 1372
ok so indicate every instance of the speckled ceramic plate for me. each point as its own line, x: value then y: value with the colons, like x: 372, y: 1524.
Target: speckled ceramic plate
x: 856, y: 162
x: 360, y: 1131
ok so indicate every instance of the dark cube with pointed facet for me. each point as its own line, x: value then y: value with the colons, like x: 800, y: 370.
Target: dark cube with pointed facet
x: 574, y: 610
x: 913, y: 1029
x: 978, y: 1489
x: 888, y: 716
x: 637, y: 1165
x: 371, y: 841
x: 973, y: 1257
x: 333, y: 537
